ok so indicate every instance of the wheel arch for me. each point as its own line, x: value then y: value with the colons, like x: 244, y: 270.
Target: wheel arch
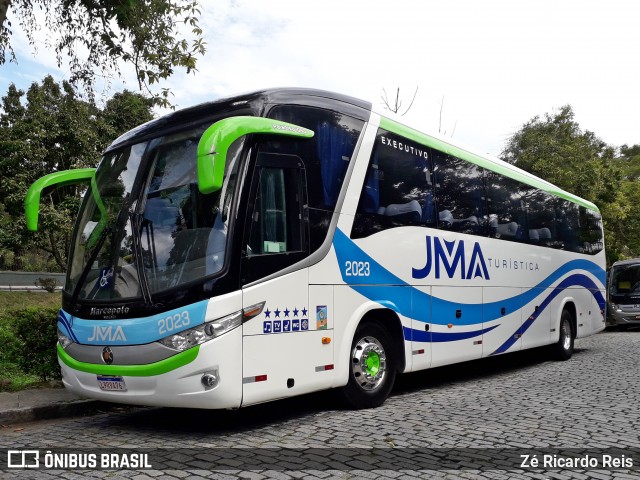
x: 390, y: 321
x: 568, y: 304
x: 375, y: 313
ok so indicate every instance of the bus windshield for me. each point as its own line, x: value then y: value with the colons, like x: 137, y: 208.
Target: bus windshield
x: 625, y: 283
x: 148, y: 229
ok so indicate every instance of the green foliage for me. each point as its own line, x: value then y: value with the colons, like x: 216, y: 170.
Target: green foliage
x: 11, y: 344
x: 93, y: 37
x: 48, y: 129
x: 48, y: 284
x: 15, y: 350
x: 558, y: 150
x: 36, y: 330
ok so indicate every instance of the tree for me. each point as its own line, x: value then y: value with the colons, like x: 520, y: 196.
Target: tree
x: 558, y: 150
x: 98, y: 35
x: 50, y: 129
x: 396, y: 106
x: 630, y: 161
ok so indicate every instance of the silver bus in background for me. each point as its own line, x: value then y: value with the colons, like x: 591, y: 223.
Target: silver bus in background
x: 623, y: 294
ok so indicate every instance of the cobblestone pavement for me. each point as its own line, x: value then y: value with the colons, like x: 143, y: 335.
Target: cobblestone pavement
x: 472, y: 420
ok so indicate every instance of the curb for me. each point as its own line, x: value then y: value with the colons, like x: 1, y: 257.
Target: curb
x: 46, y: 412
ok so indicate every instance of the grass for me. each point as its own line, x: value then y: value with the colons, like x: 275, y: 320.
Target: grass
x: 16, y: 300
x: 12, y: 377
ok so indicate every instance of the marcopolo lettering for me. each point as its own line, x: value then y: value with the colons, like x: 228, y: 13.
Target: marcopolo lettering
x: 109, y: 310
x: 452, y: 257
x: 404, y: 147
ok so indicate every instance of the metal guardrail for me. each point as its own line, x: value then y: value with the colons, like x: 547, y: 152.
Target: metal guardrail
x: 26, y: 281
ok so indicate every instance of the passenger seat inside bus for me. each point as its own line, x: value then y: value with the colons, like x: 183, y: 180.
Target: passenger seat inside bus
x: 508, y: 229
x: 540, y: 235
x: 409, y: 212
x: 446, y: 220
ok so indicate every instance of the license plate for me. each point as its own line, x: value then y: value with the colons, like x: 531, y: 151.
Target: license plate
x: 111, y: 384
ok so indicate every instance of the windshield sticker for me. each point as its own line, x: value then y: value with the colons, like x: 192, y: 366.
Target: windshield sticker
x: 105, y: 278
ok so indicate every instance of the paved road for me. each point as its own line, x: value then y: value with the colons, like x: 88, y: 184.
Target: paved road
x: 467, y: 421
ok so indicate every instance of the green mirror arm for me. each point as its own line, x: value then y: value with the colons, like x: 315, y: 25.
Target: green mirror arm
x: 216, y: 140
x: 66, y: 177
x: 102, y: 223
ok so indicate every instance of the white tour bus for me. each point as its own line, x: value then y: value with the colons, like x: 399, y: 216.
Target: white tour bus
x: 292, y: 240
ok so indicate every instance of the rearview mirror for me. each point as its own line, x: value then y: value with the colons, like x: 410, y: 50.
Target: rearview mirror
x: 58, y: 179
x: 216, y: 140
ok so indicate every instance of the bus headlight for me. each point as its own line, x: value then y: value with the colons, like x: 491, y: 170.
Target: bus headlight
x: 615, y: 307
x: 63, y: 340
x: 202, y: 333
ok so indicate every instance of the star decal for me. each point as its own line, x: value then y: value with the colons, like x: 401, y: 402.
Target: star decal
x: 295, y: 311
x: 267, y: 313
x: 286, y: 312
x: 304, y: 312
x: 277, y: 312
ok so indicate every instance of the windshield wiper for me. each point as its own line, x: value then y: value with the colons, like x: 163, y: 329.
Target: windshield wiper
x: 136, y: 231
x: 87, y: 268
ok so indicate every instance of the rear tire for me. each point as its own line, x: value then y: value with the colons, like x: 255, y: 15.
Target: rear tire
x: 372, y: 367
x: 564, y: 348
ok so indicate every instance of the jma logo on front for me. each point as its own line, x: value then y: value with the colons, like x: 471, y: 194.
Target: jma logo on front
x: 101, y: 333
x: 452, y: 257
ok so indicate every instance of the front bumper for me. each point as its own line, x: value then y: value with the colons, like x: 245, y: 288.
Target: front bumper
x: 175, y: 382
x: 618, y: 318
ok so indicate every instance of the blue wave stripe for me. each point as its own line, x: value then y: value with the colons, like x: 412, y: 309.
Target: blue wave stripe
x: 412, y: 334
x: 413, y: 303
x: 65, y: 326
x: 577, y: 279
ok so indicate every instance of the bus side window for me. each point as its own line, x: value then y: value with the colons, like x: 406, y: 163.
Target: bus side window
x: 460, y: 195
x: 590, y: 231
x: 507, y: 201
x: 398, y: 188
x: 542, y: 220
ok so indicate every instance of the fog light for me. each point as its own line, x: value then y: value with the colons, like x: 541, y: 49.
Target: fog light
x: 210, y: 380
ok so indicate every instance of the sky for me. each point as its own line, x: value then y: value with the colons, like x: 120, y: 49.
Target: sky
x: 481, y: 68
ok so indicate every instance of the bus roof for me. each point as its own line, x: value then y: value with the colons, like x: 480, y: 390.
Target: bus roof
x: 629, y: 261
x: 257, y: 101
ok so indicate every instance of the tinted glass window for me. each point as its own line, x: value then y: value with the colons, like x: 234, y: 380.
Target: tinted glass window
x: 590, y: 231
x: 398, y: 188
x: 568, y: 225
x: 542, y: 220
x: 326, y: 158
x: 459, y: 195
x: 507, y: 201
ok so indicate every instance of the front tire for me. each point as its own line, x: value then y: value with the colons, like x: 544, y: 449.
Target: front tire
x: 564, y: 348
x: 372, y: 369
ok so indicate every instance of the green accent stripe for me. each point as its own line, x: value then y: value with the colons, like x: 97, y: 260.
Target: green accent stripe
x: 499, y: 167
x: 158, y: 368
